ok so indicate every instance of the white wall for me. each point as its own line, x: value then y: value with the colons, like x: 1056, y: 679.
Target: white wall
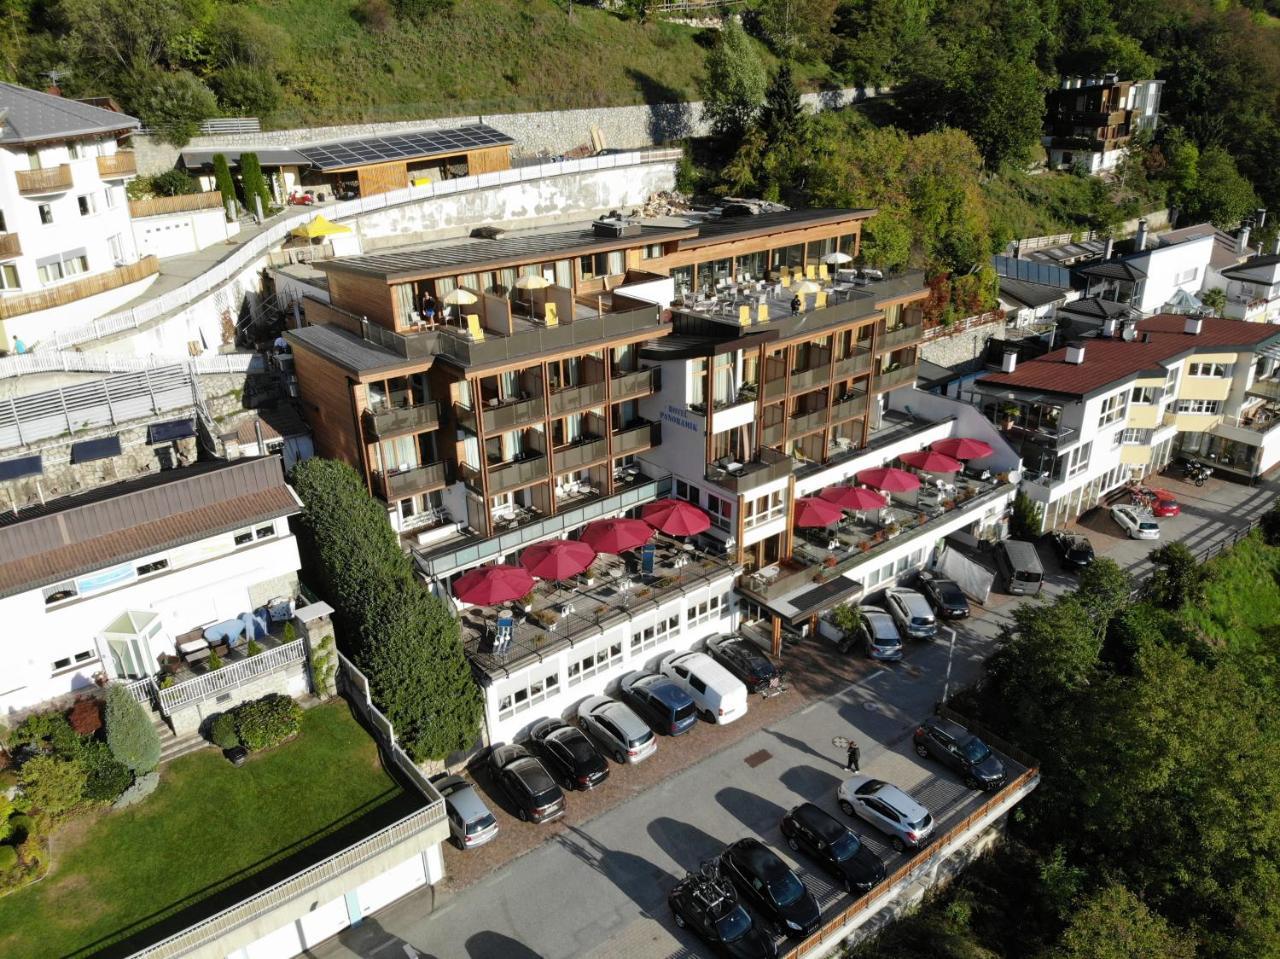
x: 661, y: 292
x: 198, y: 593
x: 32, y: 328
x: 177, y: 234
x: 1166, y: 264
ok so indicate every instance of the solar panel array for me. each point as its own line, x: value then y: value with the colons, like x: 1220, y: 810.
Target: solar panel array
x: 403, y: 146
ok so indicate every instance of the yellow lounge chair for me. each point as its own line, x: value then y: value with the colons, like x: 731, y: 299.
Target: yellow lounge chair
x: 744, y: 316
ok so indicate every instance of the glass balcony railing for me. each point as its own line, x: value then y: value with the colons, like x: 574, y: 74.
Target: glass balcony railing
x: 582, y: 453
x: 637, y: 437
x: 390, y: 421
x: 576, y: 398
x: 410, y: 481
x: 629, y: 385
x: 507, y: 476
x: 507, y: 416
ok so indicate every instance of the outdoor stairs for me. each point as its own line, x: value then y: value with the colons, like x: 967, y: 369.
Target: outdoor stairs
x: 172, y: 746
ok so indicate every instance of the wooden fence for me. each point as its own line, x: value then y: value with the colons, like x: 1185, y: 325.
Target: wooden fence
x: 79, y: 289
x: 160, y: 205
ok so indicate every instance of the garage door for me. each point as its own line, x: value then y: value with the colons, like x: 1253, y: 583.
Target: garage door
x: 391, y: 885
x: 281, y: 944
x: 324, y: 921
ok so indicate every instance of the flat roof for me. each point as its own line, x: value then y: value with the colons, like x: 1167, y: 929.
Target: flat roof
x: 112, y: 524
x: 1111, y: 360
x: 346, y: 349
x: 30, y: 116
x: 723, y: 228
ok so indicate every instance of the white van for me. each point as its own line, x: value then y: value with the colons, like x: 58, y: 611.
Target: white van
x: 721, y: 696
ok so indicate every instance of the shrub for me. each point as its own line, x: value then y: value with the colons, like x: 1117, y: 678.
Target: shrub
x: 1026, y: 518
x: 86, y: 716
x: 375, y: 15
x: 171, y: 104
x: 222, y: 176
x: 8, y: 858
x: 253, y: 182
x: 421, y: 8
x: 42, y: 730
x: 19, y: 829
x: 246, y: 90
x: 222, y: 731
x: 1270, y: 523
x: 324, y: 662
x: 53, y: 786
x: 290, y: 633
x: 214, y: 661
x: 268, y: 721
x: 253, y: 649
x: 142, y: 787
x: 173, y: 183
x: 132, y: 738
x: 105, y: 776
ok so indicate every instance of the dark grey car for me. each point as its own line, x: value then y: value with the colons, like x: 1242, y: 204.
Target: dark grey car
x: 960, y: 749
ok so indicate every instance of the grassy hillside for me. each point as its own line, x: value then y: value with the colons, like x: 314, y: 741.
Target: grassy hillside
x: 483, y: 56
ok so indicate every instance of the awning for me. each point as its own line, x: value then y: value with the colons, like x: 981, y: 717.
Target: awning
x: 814, y: 601
x: 320, y: 226
x: 23, y: 466
x: 86, y: 451
x: 170, y: 430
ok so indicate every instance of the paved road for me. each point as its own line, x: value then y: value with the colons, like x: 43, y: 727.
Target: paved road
x: 599, y: 889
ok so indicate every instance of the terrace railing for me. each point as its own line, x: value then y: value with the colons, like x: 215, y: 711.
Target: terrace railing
x: 230, y: 676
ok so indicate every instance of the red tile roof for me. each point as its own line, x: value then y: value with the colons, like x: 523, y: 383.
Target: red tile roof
x: 1112, y: 360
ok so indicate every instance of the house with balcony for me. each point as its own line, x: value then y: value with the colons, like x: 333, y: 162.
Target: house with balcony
x: 136, y: 582
x: 1089, y: 121
x: 1141, y: 276
x: 1111, y: 409
x: 67, y: 248
x: 1253, y: 289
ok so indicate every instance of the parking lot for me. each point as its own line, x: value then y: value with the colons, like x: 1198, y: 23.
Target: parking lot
x: 596, y: 882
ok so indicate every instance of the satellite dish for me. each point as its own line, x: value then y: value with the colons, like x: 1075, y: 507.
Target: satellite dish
x: 1130, y: 333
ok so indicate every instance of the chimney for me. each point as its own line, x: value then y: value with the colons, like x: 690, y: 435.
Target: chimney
x: 1192, y: 325
x: 1260, y: 217
x: 1109, y: 248
x: 1146, y: 337
x: 1242, y: 240
x: 1109, y: 327
x: 1275, y: 246
x: 1009, y: 361
x: 1140, y: 238
x: 1075, y: 353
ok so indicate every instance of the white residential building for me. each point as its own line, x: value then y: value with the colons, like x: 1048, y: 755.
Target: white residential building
x: 1253, y: 290
x: 1151, y: 277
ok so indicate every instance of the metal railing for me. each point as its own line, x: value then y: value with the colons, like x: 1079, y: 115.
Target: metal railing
x: 457, y: 345
x: 402, y: 419
x: 230, y: 676
x: 575, y: 398
x: 770, y: 465
x: 582, y: 454
x: 895, y: 378
x: 73, y: 362
x: 508, y: 416
x: 143, y: 691
x: 50, y: 180
x: 635, y: 438
x: 860, y: 362
x: 640, y: 383
x: 214, y: 279
x: 806, y: 422
x: 847, y: 409
x: 900, y: 336
x: 399, y: 485
x: 808, y: 379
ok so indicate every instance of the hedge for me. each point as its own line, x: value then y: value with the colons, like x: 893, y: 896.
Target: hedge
x: 268, y: 721
x: 222, y: 731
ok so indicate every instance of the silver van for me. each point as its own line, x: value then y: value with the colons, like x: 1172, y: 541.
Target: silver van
x: 1020, y: 567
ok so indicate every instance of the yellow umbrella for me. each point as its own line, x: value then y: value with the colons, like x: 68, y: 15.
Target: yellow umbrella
x: 532, y: 281
x: 320, y: 226
x: 460, y: 297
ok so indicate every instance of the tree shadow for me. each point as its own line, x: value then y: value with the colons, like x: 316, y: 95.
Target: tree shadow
x: 494, y: 945
x: 752, y: 810
x: 670, y: 117
x: 811, y: 783
x: 687, y: 845
x: 638, y: 879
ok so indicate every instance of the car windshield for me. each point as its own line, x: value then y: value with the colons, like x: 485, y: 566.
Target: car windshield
x: 846, y: 847
x: 786, y: 890
x: 685, y: 711
x: 733, y: 925
x: 924, y: 822
x: 1148, y: 525
x: 643, y: 739
x: 579, y: 748
x: 921, y: 620
x: 481, y: 824
x: 975, y: 750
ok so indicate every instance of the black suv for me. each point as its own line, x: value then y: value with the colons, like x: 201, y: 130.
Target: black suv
x: 945, y: 595
x: 527, y: 784
x: 962, y: 751
x: 661, y: 702
x: 745, y: 660
x: 824, y: 838
x: 1074, y: 551
x: 569, y: 754
x: 771, y: 886
x: 707, y: 903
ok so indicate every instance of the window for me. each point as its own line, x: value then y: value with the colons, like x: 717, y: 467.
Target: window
x: 703, y: 612
x: 1112, y: 410
x: 1187, y: 276
x: 116, y: 246
x: 68, y: 661
x: 763, y: 509
x: 73, y: 151
x: 651, y: 251
x: 1199, y: 406
x: 1144, y: 395
x: 528, y: 692
x: 86, y: 204
x: 46, y: 213
x: 110, y: 195
x: 1074, y: 462
x: 720, y: 511
x: 9, y: 277
x: 146, y: 569
x: 56, y: 594
x: 244, y: 538
x: 54, y: 268
x: 264, y: 532
x: 1132, y: 437
x: 651, y: 636
x: 1206, y: 369
x: 597, y: 657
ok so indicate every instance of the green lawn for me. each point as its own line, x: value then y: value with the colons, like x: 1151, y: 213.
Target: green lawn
x: 1242, y: 610
x: 483, y: 56
x: 206, y: 826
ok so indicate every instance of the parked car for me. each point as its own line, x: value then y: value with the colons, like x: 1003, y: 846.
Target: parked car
x: 527, y: 784
x: 721, y: 697
x: 665, y: 704
x: 879, y: 635
x: 747, y: 662
x: 907, y: 823
x: 708, y: 904
x: 962, y: 751
x: 620, y: 731
x: 912, y: 612
x: 569, y: 755
x: 1163, y: 503
x: 470, y: 822
x: 1019, y: 566
x: 837, y: 847
x: 1136, y: 524
x: 945, y: 595
x: 1074, y: 550
x: 772, y: 888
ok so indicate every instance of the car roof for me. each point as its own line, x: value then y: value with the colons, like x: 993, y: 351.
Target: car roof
x: 706, y: 667
x: 619, y: 713
x: 823, y: 824
x: 899, y: 800
x: 508, y: 753
x: 664, y: 688
x: 911, y: 598
x: 466, y: 802
x: 760, y: 859
x: 953, y: 729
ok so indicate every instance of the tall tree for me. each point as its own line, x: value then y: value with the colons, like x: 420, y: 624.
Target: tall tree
x: 1113, y: 923
x: 798, y: 28
x: 734, y: 84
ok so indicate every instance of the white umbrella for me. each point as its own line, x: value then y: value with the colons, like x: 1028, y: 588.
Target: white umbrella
x: 532, y: 281
x: 837, y: 257
x: 808, y: 286
x: 460, y: 297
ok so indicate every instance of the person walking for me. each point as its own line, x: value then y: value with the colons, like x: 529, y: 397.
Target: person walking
x: 853, y: 756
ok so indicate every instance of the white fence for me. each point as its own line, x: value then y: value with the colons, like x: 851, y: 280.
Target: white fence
x: 229, y: 677
x: 257, y: 246
x: 70, y: 361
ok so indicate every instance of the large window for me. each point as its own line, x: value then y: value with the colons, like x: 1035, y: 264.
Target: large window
x: 54, y: 268
x: 1199, y: 406
x: 1206, y: 369
x: 528, y: 692
x: 651, y: 636
x: 594, y: 657
x: 1144, y: 395
x: 703, y: 612
x: 1073, y: 462
x: 720, y: 511
x: 1112, y: 410
x: 764, y: 509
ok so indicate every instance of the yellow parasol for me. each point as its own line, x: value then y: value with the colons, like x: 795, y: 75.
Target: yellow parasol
x: 320, y: 226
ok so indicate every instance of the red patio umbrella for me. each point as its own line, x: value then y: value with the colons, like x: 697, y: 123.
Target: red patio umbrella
x: 813, y: 512
x: 557, y: 559
x: 675, y: 517
x: 616, y: 535
x: 932, y: 462
x: 962, y: 448
x: 854, y: 497
x: 489, y: 585
x: 889, y: 479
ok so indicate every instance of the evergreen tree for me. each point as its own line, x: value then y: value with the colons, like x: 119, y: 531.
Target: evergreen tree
x: 254, y: 183
x: 401, y: 636
x: 734, y: 85
x: 222, y: 176
x: 130, y: 735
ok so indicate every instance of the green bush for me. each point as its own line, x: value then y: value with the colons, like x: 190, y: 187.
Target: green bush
x: 171, y: 103
x: 132, y: 738
x: 253, y: 649
x: 45, y: 731
x: 173, y: 183
x: 1270, y: 523
x: 105, y: 776
x: 53, y: 786
x: 245, y: 90
x: 255, y: 185
x: 222, y: 731
x: 222, y: 176
x: 8, y: 858
x: 268, y: 721
x: 214, y: 661
x: 19, y: 829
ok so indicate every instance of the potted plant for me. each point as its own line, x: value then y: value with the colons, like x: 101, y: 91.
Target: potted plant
x: 526, y: 602
x: 829, y: 562
x: 948, y: 504
x: 1009, y: 413
x: 865, y: 545
x: 892, y: 530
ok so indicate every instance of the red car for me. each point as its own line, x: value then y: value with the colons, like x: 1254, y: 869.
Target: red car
x: 1163, y: 503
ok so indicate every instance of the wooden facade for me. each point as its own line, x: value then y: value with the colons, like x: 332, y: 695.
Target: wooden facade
x: 489, y: 160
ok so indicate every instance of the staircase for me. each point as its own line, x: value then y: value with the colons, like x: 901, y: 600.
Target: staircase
x: 172, y: 746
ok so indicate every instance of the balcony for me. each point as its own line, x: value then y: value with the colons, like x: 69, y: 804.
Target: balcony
x: 904, y: 376
x: 583, y: 453
x: 769, y: 466
x: 118, y: 165
x: 37, y: 182
x: 900, y: 336
x: 10, y: 245
x: 854, y: 365
x: 73, y: 290
x: 513, y: 475
x: 773, y: 435
x: 640, y: 383
x: 499, y: 419
x: 848, y: 408
x: 637, y: 438
x: 402, y: 419
x: 809, y: 379
x: 775, y: 389
x: 574, y: 398
x: 407, y: 482
x: 528, y: 345
x: 808, y: 422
